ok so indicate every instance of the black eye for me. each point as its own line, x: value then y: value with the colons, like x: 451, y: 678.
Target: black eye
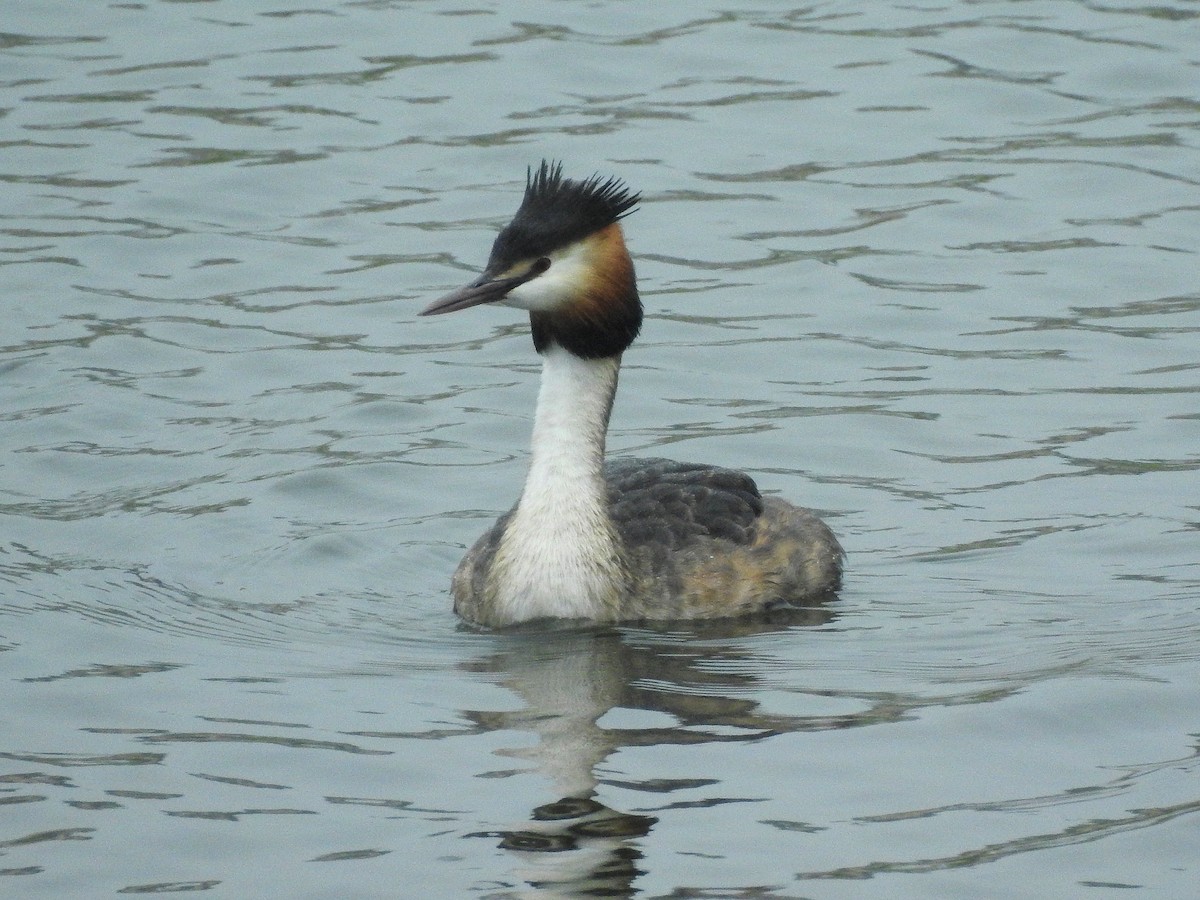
x: 539, y: 266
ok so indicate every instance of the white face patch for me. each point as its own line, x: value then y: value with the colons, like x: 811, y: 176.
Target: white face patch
x: 554, y: 288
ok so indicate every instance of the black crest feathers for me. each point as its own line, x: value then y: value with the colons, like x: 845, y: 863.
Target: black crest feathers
x: 558, y: 211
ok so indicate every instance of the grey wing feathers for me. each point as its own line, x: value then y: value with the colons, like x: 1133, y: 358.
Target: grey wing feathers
x: 669, y: 503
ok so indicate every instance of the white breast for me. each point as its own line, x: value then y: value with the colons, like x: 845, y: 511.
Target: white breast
x: 559, y: 555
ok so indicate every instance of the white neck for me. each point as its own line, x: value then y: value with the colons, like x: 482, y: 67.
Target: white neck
x: 559, y: 556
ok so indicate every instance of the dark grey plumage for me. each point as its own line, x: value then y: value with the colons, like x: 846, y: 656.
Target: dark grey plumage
x: 668, y: 503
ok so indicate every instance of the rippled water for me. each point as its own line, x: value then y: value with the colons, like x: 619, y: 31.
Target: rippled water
x: 930, y: 269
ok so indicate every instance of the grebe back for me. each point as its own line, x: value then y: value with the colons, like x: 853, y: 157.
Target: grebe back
x: 626, y: 539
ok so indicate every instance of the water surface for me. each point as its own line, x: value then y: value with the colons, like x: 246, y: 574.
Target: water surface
x: 928, y: 269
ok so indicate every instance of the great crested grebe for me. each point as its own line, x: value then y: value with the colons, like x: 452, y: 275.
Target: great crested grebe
x: 626, y: 539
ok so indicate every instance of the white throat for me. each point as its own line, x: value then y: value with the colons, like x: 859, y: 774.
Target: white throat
x: 560, y: 555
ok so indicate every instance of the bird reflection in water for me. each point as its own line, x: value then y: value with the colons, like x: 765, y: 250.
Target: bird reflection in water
x: 701, y: 676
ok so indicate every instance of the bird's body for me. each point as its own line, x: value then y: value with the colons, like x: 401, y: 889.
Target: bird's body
x: 626, y: 539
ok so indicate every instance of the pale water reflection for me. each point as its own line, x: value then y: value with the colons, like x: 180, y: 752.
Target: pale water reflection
x: 928, y: 269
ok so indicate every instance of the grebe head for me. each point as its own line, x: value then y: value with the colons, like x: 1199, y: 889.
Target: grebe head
x: 563, y: 259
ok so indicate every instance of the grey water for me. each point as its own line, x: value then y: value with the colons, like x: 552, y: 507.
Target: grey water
x: 929, y: 268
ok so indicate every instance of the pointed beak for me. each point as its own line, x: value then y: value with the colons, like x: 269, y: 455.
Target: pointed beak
x: 484, y: 289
